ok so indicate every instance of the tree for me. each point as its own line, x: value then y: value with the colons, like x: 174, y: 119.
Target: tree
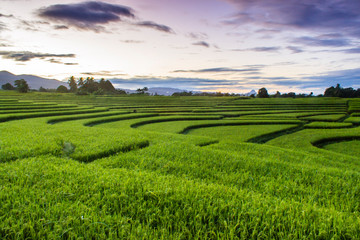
x: 22, y: 86
x: 62, y: 89
x: 120, y: 91
x: 41, y: 89
x: 7, y: 86
x: 107, y: 86
x: 90, y: 85
x: 80, y: 82
x: 263, y: 93
x: 341, y: 92
x: 142, y: 90
x: 72, y: 84
x: 184, y: 93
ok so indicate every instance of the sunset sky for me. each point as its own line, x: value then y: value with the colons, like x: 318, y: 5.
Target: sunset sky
x: 205, y: 45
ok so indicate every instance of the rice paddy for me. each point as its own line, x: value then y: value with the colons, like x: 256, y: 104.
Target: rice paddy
x: 153, y: 167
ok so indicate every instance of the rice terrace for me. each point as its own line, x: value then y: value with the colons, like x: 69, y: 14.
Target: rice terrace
x: 157, y: 167
x: 179, y: 119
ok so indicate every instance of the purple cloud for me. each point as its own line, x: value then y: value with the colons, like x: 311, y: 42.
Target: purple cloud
x: 353, y: 50
x: 220, y: 70
x: 330, y: 15
x: 27, y: 56
x: 197, y: 35
x: 61, y: 27
x: 155, y: 26
x: 86, y: 15
x: 310, y: 41
x: 259, y: 49
x: 202, y: 44
x: 295, y: 49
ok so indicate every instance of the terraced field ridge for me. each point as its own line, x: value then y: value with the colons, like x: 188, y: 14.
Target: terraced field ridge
x: 154, y: 167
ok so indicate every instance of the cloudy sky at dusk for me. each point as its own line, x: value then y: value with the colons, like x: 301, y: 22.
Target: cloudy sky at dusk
x: 205, y: 45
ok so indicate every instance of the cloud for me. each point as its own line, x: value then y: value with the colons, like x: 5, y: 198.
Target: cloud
x: 53, y: 60
x: 7, y: 16
x: 352, y: 50
x: 104, y: 73
x: 159, y: 27
x: 264, y: 49
x: 347, y: 78
x: 94, y: 15
x: 202, y: 44
x: 316, y: 84
x: 197, y: 35
x: 190, y: 83
x: 295, y: 49
x: 61, y: 27
x: 27, y: 56
x: 131, y: 41
x: 259, y: 49
x: 2, y: 26
x: 332, y: 15
x: 87, y: 15
x: 218, y: 70
x: 319, y: 42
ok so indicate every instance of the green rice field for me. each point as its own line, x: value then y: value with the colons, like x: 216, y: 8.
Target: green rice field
x: 155, y: 167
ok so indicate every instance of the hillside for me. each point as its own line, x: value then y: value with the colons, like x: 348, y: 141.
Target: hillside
x: 150, y: 167
x: 34, y: 82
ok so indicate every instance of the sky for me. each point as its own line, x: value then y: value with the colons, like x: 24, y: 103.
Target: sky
x: 231, y: 46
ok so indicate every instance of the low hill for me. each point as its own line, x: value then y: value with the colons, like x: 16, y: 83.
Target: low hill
x: 34, y: 82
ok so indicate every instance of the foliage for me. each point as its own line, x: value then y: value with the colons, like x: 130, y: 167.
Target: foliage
x: 114, y: 181
x: 22, y: 86
x: 41, y: 89
x: 62, y: 89
x: 142, y: 90
x: 351, y: 147
x: 262, y: 93
x: 72, y: 84
x: 89, y: 86
x: 341, y: 92
x: 184, y: 93
x: 7, y: 86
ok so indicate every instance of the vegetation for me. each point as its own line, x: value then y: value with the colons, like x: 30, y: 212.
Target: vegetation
x: 7, y: 86
x: 184, y: 167
x: 62, y: 89
x: 22, y: 86
x: 263, y: 93
x: 342, y: 92
x: 89, y: 86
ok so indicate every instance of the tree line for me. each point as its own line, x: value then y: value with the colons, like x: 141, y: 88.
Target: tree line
x: 81, y: 87
x: 332, y: 91
x: 91, y: 86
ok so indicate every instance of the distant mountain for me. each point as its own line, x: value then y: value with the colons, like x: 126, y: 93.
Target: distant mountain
x: 252, y: 92
x: 164, y: 91
x: 158, y: 90
x: 34, y: 82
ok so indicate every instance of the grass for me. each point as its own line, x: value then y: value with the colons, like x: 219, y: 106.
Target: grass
x: 113, y: 181
x: 328, y: 125
x: 27, y: 138
x: 345, y: 147
x: 239, y: 133
x: 327, y: 117
x: 355, y: 120
x: 18, y: 116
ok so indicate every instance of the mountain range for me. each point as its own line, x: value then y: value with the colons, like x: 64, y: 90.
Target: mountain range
x: 34, y: 82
